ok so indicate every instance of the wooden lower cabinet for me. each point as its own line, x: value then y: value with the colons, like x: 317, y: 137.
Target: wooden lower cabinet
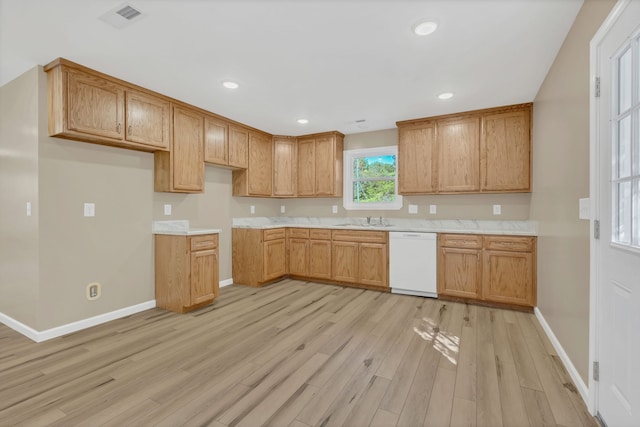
x: 320, y: 254
x: 259, y: 256
x: 186, y: 269
x: 361, y: 258
x: 499, y: 269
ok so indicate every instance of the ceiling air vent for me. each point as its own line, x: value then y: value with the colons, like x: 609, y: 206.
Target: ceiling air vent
x: 122, y: 16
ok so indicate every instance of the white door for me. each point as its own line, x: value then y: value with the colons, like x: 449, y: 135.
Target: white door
x: 618, y: 201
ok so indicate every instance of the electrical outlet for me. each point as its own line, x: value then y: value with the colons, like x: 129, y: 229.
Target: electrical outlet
x: 282, y: 209
x: 167, y: 210
x: 93, y: 291
x: 433, y: 209
x: 252, y: 209
x: 89, y: 209
x: 413, y: 209
x: 497, y: 209
x: 334, y: 209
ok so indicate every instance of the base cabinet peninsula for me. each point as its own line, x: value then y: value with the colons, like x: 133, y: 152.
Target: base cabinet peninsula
x: 496, y: 269
x: 186, y: 271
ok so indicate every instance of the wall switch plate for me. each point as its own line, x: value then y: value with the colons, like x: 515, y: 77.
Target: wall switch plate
x: 252, y: 209
x: 433, y: 209
x: 413, y: 209
x: 497, y: 209
x: 334, y: 209
x: 585, y: 208
x: 167, y: 210
x: 282, y: 209
x: 89, y: 209
x: 28, y: 208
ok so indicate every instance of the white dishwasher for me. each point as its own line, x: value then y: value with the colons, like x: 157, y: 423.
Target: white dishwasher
x: 412, y: 263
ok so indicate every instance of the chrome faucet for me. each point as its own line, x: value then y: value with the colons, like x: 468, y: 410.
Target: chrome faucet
x: 368, y: 220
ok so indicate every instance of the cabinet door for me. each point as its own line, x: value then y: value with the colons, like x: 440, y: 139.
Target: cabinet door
x: 506, y: 151
x: 372, y: 264
x: 188, y: 150
x: 325, y: 171
x: 284, y: 167
x: 459, y: 155
x: 508, y: 277
x: 260, y: 165
x: 417, y: 160
x: 95, y: 106
x: 238, y: 147
x: 204, y: 276
x: 459, y: 272
x: 344, y: 259
x: 216, y: 141
x: 306, y: 167
x: 299, y: 257
x: 148, y: 119
x: 274, y: 259
x: 320, y: 259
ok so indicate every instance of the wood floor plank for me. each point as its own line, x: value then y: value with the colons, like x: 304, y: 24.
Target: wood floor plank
x: 294, y: 353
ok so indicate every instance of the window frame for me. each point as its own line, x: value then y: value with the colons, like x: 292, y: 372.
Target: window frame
x: 347, y: 198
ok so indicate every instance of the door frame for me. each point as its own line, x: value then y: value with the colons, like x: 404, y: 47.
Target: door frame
x: 594, y: 194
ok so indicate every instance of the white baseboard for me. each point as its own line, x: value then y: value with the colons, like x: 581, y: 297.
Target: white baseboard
x: 226, y: 282
x: 39, y: 336
x: 573, y: 372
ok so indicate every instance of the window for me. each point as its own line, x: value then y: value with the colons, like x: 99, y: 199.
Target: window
x: 625, y: 155
x: 370, y: 179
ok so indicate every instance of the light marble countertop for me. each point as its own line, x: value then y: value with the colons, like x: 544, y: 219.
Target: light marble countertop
x: 516, y: 228
x: 180, y: 228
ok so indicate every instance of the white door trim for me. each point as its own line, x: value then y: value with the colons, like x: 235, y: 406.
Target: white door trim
x: 594, y: 168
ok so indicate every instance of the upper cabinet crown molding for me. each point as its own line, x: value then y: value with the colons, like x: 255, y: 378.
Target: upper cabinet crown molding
x: 480, y: 151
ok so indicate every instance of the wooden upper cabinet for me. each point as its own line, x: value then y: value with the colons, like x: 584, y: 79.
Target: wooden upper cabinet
x: 417, y: 158
x: 181, y: 170
x: 320, y: 158
x: 89, y: 106
x: 256, y: 180
x: 148, y: 119
x: 238, y: 147
x: 506, y: 150
x: 216, y: 141
x: 95, y: 106
x: 459, y: 155
x: 285, y: 162
x: 482, y: 151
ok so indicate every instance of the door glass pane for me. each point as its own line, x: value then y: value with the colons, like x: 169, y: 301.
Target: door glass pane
x: 635, y: 224
x: 622, y: 232
x: 624, y: 148
x: 624, y: 82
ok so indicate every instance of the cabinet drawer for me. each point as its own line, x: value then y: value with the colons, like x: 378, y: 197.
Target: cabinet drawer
x: 320, y: 234
x: 298, y: 233
x: 460, y: 241
x: 273, y: 234
x: 359, y: 236
x: 509, y: 243
x: 205, y: 241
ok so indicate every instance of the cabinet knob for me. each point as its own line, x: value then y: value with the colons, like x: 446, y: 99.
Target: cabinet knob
x: 119, y: 128
x: 129, y: 129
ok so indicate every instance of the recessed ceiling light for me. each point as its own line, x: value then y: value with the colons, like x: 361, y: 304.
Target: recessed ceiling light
x: 230, y: 85
x: 303, y: 121
x: 425, y: 28
x: 445, y: 95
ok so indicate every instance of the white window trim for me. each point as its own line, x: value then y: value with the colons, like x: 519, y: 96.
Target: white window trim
x: 347, y: 198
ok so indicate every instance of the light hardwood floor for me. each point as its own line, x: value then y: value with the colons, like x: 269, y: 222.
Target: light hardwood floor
x: 295, y: 354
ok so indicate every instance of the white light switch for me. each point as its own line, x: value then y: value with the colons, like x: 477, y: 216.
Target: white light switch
x: 252, y: 209
x: 282, y: 209
x: 167, y: 210
x: 585, y: 208
x: 28, y: 208
x: 497, y: 209
x: 89, y: 209
x: 334, y: 209
x: 413, y: 209
x: 433, y: 209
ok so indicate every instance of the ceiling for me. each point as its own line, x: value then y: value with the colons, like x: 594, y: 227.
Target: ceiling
x: 333, y: 62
